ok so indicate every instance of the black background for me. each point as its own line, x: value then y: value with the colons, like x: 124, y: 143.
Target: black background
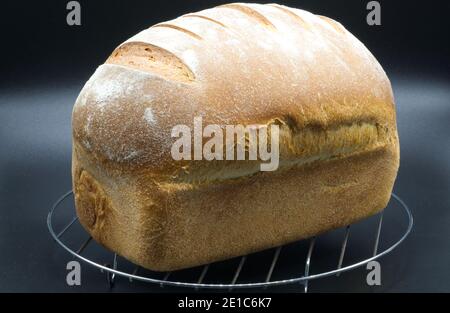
x: 38, y: 44
x: 45, y: 62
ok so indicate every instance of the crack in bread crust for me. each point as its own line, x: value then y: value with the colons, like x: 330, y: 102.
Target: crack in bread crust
x: 296, y: 149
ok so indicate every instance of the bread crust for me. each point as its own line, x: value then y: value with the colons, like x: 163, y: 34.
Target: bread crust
x: 235, y: 64
x: 169, y: 227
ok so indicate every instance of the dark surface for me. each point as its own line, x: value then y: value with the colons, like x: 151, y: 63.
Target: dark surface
x: 35, y: 171
x: 48, y: 62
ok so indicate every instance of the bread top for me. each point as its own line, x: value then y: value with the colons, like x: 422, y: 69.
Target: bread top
x: 235, y: 64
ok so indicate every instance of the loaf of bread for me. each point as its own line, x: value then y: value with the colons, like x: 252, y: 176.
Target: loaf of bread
x: 235, y: 64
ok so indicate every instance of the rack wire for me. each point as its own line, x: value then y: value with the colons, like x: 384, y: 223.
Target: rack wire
x: 265, y: 279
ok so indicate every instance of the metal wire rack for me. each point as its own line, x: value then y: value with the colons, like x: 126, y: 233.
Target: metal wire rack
x: 264, y: 280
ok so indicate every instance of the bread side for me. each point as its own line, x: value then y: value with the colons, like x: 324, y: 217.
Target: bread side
x: 235, y: 64
x: 166, y: 227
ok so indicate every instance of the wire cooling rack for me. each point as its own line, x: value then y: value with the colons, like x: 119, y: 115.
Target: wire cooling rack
x: 263, y: 279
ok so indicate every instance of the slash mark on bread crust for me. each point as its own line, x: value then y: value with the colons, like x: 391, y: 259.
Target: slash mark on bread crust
x: 181, y: 29
x: 338, y: 27
x: 249, y: 12
x: 205, y: 18
x: 290, y: 13
x: 150, y: 58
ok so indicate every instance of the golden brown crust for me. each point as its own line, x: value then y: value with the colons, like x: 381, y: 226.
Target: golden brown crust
x: 314, y: 77
x: 183, y: 225
x: 235, y: 64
